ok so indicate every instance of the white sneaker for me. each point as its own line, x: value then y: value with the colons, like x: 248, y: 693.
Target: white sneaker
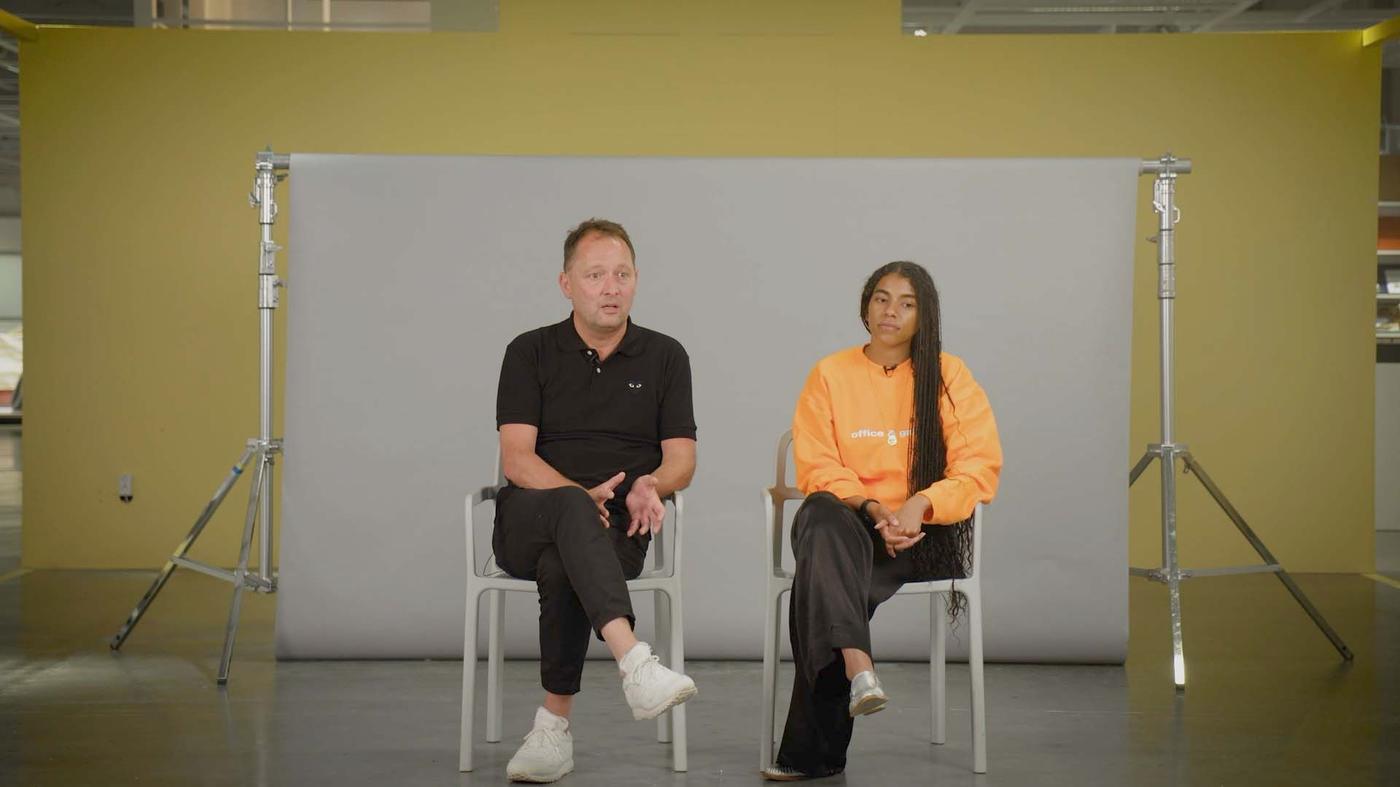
x: 547, y: 753
x: 650, y: 688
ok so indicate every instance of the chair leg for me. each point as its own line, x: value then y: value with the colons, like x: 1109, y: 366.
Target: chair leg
x: 938, y: 668
x: 772, y: 620
x: 661, y: 603
x: 676, y: 631
x: 974, y: 663
x: 464, y: 752
x: 495, y: 656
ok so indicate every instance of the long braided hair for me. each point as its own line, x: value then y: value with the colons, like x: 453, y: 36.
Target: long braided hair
x: 946, y: 550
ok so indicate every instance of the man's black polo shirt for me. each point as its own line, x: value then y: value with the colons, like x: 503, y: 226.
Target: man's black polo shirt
x: 594, y: 418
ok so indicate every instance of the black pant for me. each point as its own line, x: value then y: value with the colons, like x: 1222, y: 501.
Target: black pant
x: 843, y: 573
x: 554, y: 536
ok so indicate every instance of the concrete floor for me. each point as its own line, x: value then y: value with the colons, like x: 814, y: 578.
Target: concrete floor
x: 1268, y: 701
x: 1388, y: 553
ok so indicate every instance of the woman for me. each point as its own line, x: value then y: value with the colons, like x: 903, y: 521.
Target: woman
x: 895, y: 444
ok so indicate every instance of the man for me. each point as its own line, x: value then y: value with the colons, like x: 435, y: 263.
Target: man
x: 596, y: 428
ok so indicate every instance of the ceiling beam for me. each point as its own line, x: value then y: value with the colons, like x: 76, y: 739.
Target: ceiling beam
x: 1317, y: 9
x: 1228, y: 14
x: 965, y: 12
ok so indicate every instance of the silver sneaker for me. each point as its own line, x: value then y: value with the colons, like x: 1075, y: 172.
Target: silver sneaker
x: 780, y: 773
x: 650, y: 688
x: 867, y: 695
x: 547, y: 753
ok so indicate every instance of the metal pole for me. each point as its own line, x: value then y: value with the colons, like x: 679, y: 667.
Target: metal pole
x: 240, y: 572
x: 261, y: 450
x: 1166, y: 170
x: 1164, y: 194
x: 1163, y: 198
x: 268, y: 299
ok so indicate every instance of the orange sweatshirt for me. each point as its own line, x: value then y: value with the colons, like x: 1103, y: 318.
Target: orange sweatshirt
x: 853, y: 423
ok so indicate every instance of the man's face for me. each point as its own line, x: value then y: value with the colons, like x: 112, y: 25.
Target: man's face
x: 600, y: 281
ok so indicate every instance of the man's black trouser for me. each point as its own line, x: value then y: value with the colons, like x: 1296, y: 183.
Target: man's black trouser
x: 554, y: 536
x: 843, y: 573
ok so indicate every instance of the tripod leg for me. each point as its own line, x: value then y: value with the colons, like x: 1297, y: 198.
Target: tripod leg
x: 240, y: 573
x: 169, y: 568
x: 265, y: 519
x: 1140, y: 466
x: 1268, y: 557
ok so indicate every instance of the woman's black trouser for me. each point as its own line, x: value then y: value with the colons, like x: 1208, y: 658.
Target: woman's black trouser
x: 843, y: 574
x: 554, y: 536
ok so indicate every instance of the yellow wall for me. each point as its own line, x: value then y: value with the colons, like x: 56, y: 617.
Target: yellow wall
x: 139, y: 245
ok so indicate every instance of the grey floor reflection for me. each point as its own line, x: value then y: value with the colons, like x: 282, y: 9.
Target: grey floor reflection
x: 1268, y: 702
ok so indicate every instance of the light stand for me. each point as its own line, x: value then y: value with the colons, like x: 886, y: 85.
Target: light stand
x: 260, y: 451
x: 1167, y: 169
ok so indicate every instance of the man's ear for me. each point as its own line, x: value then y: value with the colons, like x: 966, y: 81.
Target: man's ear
x: 565, y: 286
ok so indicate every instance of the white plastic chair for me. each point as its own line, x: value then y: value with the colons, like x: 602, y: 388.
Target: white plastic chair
x: 780, y: 583
x: 664, y: 579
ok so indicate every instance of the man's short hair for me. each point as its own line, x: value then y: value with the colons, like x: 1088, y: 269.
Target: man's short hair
x: 600, y: 226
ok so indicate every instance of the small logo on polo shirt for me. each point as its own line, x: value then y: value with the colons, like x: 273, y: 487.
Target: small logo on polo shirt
x: 635, y: 385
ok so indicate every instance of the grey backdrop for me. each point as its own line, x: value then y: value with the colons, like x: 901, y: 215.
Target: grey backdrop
x: 408, y: 276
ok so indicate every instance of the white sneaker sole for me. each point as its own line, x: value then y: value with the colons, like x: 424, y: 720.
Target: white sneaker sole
x: 541, y: 778
x: 686, y: 692
x: 870, y: 703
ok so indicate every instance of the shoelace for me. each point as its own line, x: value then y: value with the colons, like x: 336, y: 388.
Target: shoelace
x: 635, y: 676
x: 539, y: 737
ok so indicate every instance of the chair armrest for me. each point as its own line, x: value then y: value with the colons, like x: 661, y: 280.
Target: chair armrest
x: 667, y: 563
x: 473, y: 500
x: 775, y: 500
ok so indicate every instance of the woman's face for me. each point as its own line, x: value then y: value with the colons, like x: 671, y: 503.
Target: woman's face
x: 892, y: 312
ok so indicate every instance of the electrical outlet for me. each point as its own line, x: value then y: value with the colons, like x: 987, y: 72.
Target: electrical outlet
x: 124, y: 488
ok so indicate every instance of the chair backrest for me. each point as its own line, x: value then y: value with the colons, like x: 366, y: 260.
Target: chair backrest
x: 663, y: 559
x: 776, y: 496
x: 775, y: 499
